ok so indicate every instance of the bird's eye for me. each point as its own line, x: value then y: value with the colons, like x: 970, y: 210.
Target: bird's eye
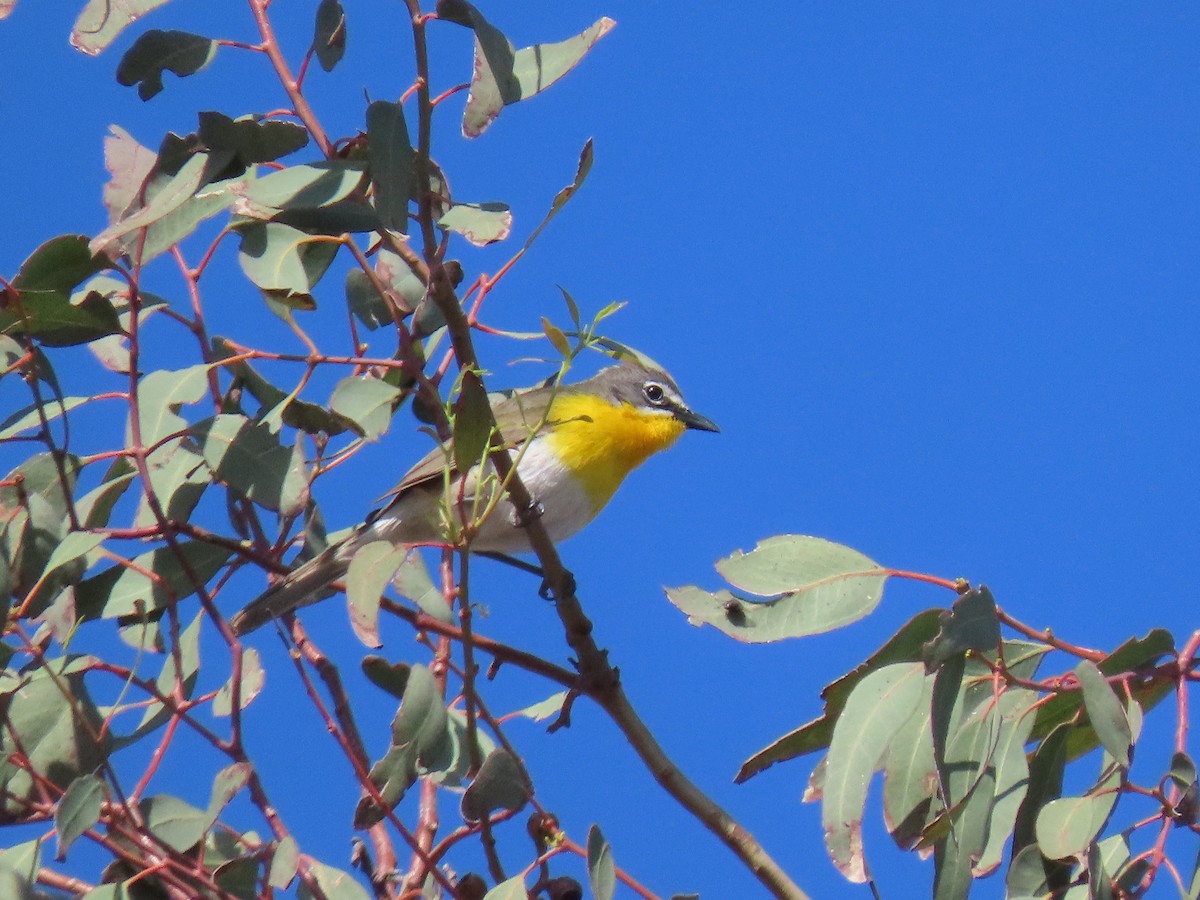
x: 653, y: 391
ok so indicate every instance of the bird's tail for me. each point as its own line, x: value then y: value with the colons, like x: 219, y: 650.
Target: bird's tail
x: 299, y: 587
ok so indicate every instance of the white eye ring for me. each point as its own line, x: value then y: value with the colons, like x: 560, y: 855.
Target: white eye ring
x: 654, y: 392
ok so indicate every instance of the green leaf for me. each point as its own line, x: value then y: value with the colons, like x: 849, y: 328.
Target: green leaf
x: 111, y: 892
x: 329, y: 37
x: 1012, y: 777
x: 307, y: 186
x: 120, y: 591
x: 500, y: 784
x: 943, y: 702
x: 29, y: 416
x: 370, y: 570
x: 586, y: 157
x: 57, y: 267
x: 876, y: 710
x: 1133, y: 655
x: 10, y: 353
x: 334, y: 884
x: 251, y: 460
x: 102, y: 20
x: 391, y: 155
x: 544, y: 709
x: 77, y: 811
x: 904, y: 646
x: 283, y: 262
x: 556, y: 337
x: 34, y: 521
x: 421, y: 744
x: 275, y: 404
x: 161, y: 394
x: 910, y: 775
x: 367, y: 402
x: 250, y: 139
x: 157, y: 51
x: 970, y: 624
x: 512, y: 889
x: 178, y: 478
x: 421, y: 720
x: 392, y: 776
x: 1183, y: 770
x: 238, y: 877
x: 504, y: 75
x: 168, y: 195
x: 391, y: 677
x: 1105, y: 712
x: 354, y: 214
x: 50, y: 722
x: 129, y: 166
x: 284, y: 862
x: 19, y: 870
x: 167, y: 681
x: 56, y: 322
x: 480, y: 223
x: 472, y: 422
x: 176, y: 823
x: 74, y: 545
x: 1047, y: 763
x: 412, y: 581
x: 1068, y: 825
x: 226, y: 785
x: 824, y: 586
x: 252, y: 681
x: 405, y: 289
x: 95, y: 507
x: 602, y: 873
x: 39, y: 303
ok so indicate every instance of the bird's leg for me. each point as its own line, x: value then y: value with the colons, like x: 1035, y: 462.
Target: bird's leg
x: 545, y: 590
x: 514, y: 562
x: 522, y: 517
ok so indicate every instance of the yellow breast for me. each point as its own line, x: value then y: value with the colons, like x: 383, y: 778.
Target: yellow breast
x: 602, y: 443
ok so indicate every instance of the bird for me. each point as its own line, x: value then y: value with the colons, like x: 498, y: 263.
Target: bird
x: 572, y: 445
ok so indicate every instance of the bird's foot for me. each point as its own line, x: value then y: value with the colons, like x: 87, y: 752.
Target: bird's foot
x: 522, y: 517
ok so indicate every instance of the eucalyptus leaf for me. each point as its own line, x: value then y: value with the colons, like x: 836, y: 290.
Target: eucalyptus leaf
x: 391, y: 154
x: 101, y: 21
x: 155, y: 52
x: 78, y: 810
x: 822, y: 586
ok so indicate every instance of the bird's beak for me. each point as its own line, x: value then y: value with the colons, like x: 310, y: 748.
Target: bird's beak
x: 695, y: 420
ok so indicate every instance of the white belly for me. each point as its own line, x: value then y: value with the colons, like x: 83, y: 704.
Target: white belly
x: 565, y: 508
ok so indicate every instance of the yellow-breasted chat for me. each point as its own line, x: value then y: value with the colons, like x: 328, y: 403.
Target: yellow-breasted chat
x: 572, y: 444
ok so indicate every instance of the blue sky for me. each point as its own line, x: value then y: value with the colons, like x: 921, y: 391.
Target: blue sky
x: 932, y: 267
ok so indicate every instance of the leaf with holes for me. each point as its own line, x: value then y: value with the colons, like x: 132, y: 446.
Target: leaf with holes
x: 158, y: 51
x: 820, y: 585
x: 504, y: 75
